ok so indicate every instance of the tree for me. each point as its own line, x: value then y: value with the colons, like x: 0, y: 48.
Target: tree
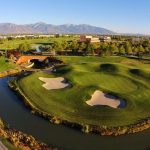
x: 140, y: 52
x: 141, y: 49
x: 114, y: 49
x: 74, y: 46
x: 82, y: 46
x: 122, y: 50
x: 49, y: 48
x: 90, y: 49
x: 147, y: 50
x: 56, y: 46
x: 64, y: 46
x: 24, y: 47
x: 103, y: 48
x: 135, y: 50
x: 146, y: 43
x: 128, y: 48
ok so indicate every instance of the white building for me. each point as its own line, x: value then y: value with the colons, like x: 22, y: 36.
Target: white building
x: 3, y: 37
x: 45, y: 35
x: 89, y: 39
x: 105, y: 38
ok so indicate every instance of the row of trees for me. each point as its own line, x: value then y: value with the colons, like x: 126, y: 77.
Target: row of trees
x: 105, y: 48
x: 124, y: 48
x: 24, y: 47
x: 101, y: 48
x: 71, y: 46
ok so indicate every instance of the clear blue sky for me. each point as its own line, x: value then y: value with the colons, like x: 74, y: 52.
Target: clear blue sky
x: 117, y: 15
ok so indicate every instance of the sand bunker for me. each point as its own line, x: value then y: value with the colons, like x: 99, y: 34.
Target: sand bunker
x: 100, y: 98
x: 54, y: 83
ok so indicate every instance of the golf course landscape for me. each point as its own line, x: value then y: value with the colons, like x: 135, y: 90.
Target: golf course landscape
x: 75, y: 75
x: 5, y: 64
x: 126, y: 79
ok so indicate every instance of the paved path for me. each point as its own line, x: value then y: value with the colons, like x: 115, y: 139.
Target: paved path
x: 2, y: 146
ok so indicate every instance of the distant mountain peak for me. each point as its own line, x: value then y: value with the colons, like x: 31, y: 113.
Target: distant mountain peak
x: 68, y: 24
x: 40, y: 22
x: 44, y: 28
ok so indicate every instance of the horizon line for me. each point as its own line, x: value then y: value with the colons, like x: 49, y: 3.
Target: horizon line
x: 42, y: 22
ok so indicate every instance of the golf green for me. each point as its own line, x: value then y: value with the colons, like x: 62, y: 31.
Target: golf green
x: 126, y: 78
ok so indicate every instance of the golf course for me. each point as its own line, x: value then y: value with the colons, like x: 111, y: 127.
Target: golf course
x: 5, y: 64
x: 126, y: 79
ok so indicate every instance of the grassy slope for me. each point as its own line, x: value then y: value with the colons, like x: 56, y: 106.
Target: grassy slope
x: 86, y: 76
x: 5, y: 65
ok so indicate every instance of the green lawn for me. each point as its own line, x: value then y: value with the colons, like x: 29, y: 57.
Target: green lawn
x: 127, y: 78
x: 13, y: 44
x: 5, y: 65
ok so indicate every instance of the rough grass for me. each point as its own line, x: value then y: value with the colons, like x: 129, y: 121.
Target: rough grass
x: 86, y: 75
x: 5, y: 65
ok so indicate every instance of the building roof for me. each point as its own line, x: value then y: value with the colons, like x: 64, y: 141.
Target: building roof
x: 25, y: 59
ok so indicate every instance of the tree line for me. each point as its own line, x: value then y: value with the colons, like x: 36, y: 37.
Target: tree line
x: 103, y: 48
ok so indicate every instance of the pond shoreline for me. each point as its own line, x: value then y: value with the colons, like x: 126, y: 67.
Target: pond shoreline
x: 11, y: 72
x: 21, y: 140
x: 101, y: 130
x: 15, y: 137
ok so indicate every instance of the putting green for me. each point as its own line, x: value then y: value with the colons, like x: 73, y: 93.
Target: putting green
x: 88, y: 74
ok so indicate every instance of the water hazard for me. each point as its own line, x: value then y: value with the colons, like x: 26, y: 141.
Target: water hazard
x: 19, y: 117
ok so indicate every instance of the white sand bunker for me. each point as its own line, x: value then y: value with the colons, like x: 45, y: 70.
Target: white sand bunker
x: 54, y: 83
x: 100, y: 98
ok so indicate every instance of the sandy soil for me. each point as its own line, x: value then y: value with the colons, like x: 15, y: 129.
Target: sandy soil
x: 54, y: 83
x: 100, y: 98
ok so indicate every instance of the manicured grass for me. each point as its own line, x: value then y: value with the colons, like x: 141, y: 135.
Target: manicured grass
x: 13, y: 44
x: 5, y: 65
x: 87, y: 74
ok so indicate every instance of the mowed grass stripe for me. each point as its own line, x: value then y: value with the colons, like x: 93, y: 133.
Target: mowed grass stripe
x: 87, y: 77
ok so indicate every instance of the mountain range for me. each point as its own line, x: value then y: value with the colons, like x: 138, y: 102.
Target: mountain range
x: 44, y: 28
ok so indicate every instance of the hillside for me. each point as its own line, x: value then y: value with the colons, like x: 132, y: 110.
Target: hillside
x: 43, y: 28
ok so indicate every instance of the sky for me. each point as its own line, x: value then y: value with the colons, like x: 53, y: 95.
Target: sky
x: 122, y: 16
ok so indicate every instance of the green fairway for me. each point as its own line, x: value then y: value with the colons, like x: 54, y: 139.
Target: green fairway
x: 5, y: 65
x: 126, y: 78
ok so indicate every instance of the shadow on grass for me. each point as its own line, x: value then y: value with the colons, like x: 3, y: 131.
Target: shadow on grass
x: 140, y: 73
x: 62, y: 69
x: 46, y: 43
x: 108, y: 68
